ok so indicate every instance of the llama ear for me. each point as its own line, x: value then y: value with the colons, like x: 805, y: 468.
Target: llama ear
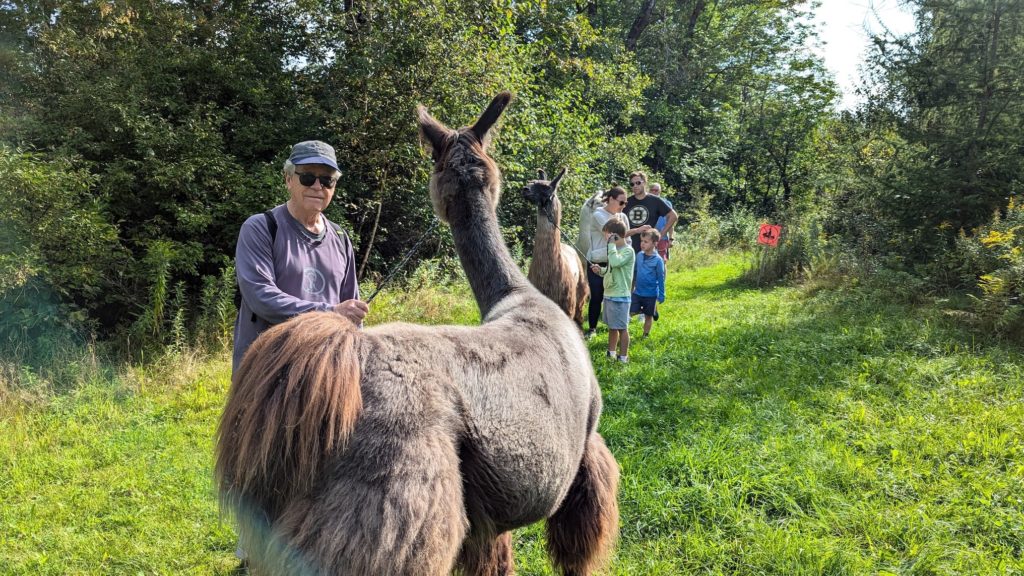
x: 541, y: 174
x: 433, y: 133
x: 490, y: 116
x: 554, y: 183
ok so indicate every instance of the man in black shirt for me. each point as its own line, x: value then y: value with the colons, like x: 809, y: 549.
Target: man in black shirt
x: 643, y: 209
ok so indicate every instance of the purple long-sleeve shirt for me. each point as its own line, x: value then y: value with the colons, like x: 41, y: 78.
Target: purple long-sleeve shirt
x: 296, y: 274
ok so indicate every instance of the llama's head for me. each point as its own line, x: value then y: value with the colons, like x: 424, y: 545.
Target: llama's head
x: 461, y: 163
x: 542, y: 192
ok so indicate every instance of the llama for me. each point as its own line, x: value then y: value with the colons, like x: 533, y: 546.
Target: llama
x: 556, y: 269
x: 407, y: 450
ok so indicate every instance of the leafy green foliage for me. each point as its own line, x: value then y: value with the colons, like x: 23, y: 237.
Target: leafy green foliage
x: 58, y: 255
x: 946, y: 106
x: 181, y: 114
x: 737, y: 228
x: 993, y: 258
x: 734, y: 99
x: 152, y: 101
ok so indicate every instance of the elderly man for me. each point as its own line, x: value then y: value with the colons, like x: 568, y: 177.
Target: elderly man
x: 291, y: 259
x: 643, y: 209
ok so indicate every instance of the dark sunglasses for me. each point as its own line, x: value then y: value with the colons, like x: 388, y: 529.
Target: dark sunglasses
x: 637, y: 183
x: 307, y: 179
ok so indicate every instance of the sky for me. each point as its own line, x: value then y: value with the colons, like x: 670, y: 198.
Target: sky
x: 843, y: 31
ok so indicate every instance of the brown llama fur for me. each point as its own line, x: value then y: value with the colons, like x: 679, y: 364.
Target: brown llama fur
x: 489, y: 557
x: 556, y: 269
x: 595, y: 514
x: 407, y: 450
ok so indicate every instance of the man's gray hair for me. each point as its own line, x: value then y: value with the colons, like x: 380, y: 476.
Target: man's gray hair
x: 289, y: 169
x: 654, y: 185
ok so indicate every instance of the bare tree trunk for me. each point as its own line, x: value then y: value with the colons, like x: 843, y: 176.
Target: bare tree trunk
x: 691, y: 30
x: 588, y: 7
x: 988, y: 74
x: 643, y: 20
x: 369, y: 245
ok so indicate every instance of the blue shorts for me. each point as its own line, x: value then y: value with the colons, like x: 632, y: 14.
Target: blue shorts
x: 616, y: 314
x: 646, y: 305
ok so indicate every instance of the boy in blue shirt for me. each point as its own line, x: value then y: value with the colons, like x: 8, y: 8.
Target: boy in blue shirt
x: 649, y: 289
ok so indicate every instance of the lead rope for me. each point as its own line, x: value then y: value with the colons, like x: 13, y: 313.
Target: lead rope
x: 402, y: 263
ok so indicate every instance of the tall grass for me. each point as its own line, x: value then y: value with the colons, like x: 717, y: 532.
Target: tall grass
x: 702, y: 228
x: 432, y: 294
x: 800, y: 250
x: 761, y: 432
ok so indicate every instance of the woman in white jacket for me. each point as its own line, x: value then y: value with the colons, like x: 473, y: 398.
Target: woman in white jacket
x: 592, y: 242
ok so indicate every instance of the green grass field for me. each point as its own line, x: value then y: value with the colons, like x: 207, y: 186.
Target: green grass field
x: 759, y: 432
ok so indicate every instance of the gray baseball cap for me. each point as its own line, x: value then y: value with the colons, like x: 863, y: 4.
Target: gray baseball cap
x: 313, y: 152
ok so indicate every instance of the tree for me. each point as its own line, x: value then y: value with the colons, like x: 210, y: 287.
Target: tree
x: 181, y: 113
x: 953, y: 93
x: 733, y: 96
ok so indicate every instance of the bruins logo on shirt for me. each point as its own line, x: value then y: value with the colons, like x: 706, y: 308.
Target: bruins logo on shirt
x: 638, y: 215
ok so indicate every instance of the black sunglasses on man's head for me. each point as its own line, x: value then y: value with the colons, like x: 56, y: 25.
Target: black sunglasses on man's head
x: 637, y: 183
x: 307, y: 179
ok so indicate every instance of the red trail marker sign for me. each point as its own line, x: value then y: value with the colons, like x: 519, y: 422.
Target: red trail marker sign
x: 769, y: 234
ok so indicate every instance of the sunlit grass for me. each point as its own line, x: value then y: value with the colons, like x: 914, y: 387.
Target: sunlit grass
x: 114, y: 478
x: 759, y: 432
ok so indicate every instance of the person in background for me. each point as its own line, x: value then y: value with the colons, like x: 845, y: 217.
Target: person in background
x: 643, y: 209
x: 614, y: 201
x: 649, y: 290
x: 306, y: 264
x: 666, y: 240
x: 618, y: 280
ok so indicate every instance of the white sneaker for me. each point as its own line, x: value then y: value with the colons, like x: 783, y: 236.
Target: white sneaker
x: 610, y: 354
x: 624, y: 359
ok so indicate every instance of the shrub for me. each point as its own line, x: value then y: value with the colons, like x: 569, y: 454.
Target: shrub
x: 217, y: 310
x: 702, y: 230
x: 801, y: 248
x: 58, y: 256
x: 993, y: 258
x: 736, y: 228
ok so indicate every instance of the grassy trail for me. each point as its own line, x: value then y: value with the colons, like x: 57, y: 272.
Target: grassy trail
x: 759, y: 432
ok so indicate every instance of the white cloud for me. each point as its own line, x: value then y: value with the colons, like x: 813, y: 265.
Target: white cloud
x: 844, y: 29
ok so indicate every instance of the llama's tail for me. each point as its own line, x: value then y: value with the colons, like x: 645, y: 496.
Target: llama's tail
x: 583, y: 530
x: 293, y: 402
